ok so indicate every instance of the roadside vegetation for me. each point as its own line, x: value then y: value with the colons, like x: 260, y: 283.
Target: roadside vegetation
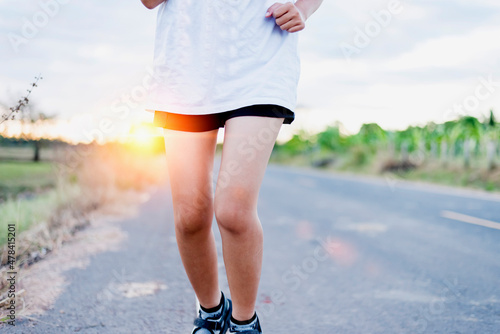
x: 50, y: 189
x: 464, y: 152
x: 52, y: 199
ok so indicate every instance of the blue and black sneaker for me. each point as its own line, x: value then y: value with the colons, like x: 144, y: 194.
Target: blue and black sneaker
x: 251, y: 326
x: 215, y: 320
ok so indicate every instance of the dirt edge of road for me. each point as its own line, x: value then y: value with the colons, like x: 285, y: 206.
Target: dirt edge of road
x: 39, y: 285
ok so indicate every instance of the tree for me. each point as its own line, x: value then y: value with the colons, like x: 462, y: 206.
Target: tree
x: 21, y: 103
x: 491, y: 120
x: 27, y: 115
x: 34, y: 120
x: 331, y: 139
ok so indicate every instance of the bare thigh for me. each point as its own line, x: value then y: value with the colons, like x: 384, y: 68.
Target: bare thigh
x: 248, y: 143
x: 190, y: 161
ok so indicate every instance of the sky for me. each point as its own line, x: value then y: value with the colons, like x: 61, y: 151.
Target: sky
x: 396, y: 62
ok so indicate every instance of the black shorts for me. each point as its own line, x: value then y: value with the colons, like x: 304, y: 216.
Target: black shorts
x: 199, y: 123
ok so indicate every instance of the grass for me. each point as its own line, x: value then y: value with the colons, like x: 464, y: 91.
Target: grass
x: 89, y: 179
x: 33, y: 193
x: 456, y: 176
x: 27, y: 194
x: 24, y: 213
x: 19, y: 177
x: 25, y: 153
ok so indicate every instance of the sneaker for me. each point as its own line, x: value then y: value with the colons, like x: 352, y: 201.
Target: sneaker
x: 214, y: 325
x: 253, y: 328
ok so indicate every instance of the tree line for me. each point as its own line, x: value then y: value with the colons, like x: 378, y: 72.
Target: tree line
x: 466, y: 140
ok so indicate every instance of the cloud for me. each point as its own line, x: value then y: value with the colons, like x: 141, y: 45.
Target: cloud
x: 450, y: 51
x: 84, y: 56
x: 429, y: 57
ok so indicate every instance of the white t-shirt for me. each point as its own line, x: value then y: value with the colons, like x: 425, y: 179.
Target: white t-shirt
x: 218, y: 55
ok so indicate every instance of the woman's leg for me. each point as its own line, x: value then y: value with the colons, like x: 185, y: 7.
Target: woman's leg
x: 190, y: 160
x: 248, y: 143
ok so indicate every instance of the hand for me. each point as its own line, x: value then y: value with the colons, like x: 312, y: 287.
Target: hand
x: 287, y: 16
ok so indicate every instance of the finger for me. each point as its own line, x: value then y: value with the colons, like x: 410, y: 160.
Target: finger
x: 284, y: 19
x: 297, y: 28
x: 289, y: 25
x: 282, y: 10
x: 271, y: 9
x: 292, y: 14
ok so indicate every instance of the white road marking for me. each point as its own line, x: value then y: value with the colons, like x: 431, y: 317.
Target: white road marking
x: 470, y: 219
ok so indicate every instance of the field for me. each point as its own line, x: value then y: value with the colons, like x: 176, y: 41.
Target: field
x: 27, y: 189
x: 464, y: 152
x: 26, y: 212
x: 25, y: 153
x: 17, y: 178
x: 75, y: 179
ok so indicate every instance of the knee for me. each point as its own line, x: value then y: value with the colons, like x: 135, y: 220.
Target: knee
x: 234, y: 215
x: 193, y: 219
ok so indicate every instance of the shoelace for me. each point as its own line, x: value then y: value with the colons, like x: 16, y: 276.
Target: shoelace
x: 247, y: 331
x: 211, y: 324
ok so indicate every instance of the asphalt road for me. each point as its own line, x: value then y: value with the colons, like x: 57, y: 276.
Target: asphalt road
x: 342, y: 255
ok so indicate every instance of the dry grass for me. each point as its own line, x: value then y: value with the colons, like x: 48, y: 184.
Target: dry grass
x: 108, y: 180
x: 34, y: 295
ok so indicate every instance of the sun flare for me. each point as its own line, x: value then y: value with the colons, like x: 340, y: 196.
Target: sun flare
x: 144, y: 136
